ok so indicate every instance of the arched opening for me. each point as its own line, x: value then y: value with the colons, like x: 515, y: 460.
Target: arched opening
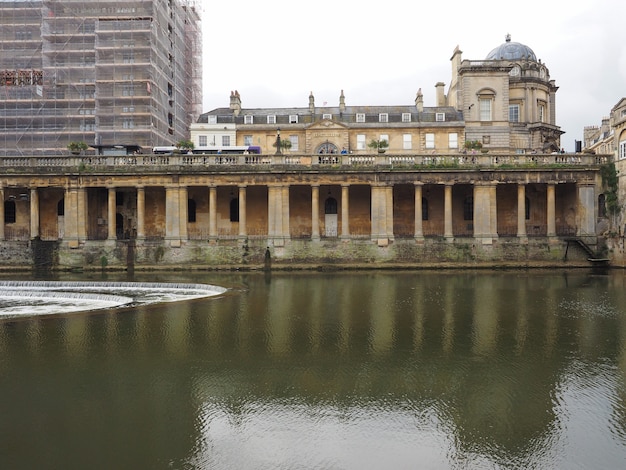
x: 468, y: 208
x: 330, y: 217
x: 9, y: 212
x: 191, y: 210
x: 234, y: 210
x: 327, y: 148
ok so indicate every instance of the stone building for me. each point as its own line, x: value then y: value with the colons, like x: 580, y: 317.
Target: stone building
x: 328, y: 198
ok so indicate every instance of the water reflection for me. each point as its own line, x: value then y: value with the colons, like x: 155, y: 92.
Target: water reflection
x: 319, y: 370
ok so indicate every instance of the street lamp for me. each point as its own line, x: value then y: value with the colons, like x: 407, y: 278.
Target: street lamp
x: 278, y: 150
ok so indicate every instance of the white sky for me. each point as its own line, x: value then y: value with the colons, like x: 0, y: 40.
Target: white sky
x: 276, y: 52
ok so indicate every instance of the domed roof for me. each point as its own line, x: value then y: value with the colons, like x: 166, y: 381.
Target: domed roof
x: 512, y: 51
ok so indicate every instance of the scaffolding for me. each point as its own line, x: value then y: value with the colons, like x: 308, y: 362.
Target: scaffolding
x: 113, y: 74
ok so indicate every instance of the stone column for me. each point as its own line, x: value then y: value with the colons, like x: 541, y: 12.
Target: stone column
x: 586, y: 210
x: 172, y: 217
x: 551, y: 210
x: 34, y: 213
x: 315, y: 212
x: 484, y: 219
x: 345, y: 211
x: 286, y: 233
x: 2, y: 236
x: 111, y: 214
x: 183, y: 212
x: 418, y: 232
x: 141, y: 213
x: 212, y: 212
x: 83, y: 215
x: 274, y: 211
x: 71, y: 217
x: 389, y: 211
x: 243, y: 231
x: 447, y: 212
x: 521, y: 212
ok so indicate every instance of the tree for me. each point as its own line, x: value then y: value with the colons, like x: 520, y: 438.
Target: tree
x: 77, y: 146
x: 378, y: 144
x: 185, y: 145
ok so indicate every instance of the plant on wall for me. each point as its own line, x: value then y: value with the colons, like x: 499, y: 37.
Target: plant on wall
x: 378, y: 144
x: 77, y: 146
x: 185, y: 145
x: 473, y: 144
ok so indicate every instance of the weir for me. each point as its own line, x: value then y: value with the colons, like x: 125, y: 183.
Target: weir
x: 28, y: 298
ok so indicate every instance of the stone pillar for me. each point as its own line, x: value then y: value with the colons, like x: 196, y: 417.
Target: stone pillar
x: 34, y: 213
x: 447, y: 212
x: 419, y: 231
x: 389, y: 211
x: 345, y: 211
x: 172, y: 217
x: 243, y: 231
x: 315, y: 212
x: 141, y: 213
x: 82, y: 221
x: 379, y: 218
x: 111, y: 214
x: 521, y: 212
x: 484, y: 218
x: 212, y: 212
x: 586, y: 211
x: 274, y: 211
x: 2, y: 236
x: 286, y: 212
x: 71, y: 217
x: 551, y: 210
x: 183, y: 212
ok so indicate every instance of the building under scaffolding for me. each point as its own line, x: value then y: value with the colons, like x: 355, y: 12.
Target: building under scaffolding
x: 117, y: 75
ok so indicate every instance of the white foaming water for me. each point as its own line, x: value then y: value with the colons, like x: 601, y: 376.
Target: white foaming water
x: 26, y: 298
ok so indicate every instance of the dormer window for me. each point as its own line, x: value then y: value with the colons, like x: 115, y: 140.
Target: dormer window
x: 406, y: 117
x: 327, y: 116
x: 440, y: 117
x: 247, y: 119
x: 383, y: 117
x: 293, y: 119
x: 212, y: 120
x: 271, y: 119
x: 360, y: 117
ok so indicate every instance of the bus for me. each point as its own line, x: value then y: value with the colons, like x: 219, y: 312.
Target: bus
x: 234, y: 149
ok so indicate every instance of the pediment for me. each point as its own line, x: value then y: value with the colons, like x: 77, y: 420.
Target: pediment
x: 326, y: 125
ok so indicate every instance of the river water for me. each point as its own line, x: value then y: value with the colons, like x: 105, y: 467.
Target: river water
x: 347, y: 370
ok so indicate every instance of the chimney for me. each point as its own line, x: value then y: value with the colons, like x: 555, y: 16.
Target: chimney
x: 311, y: 103
x: 235, y: 102
x: 441, y: 97
x: 419, y: 101
x: 342, y: 102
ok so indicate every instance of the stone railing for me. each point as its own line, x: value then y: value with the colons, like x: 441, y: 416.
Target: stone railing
x: 338, y: 161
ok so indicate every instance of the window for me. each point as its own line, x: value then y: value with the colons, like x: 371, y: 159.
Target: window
x: 602, y: 205
x: 247, y: 140
x: 440, y: 117
x: 225, y: 141
x: 468, y: 208
x: 128, y: 90
x: 360, y: 142
x: 622, y: 150
x: 9, y: 212
x: 514, y: 113
x: 212, y: 119
x: 406, y: 117
x: 485, y: 109
x: 247, y: 119
x: 327, y: 116
x: 294, y: 143
x: 191, y: 210
x: 293, y: 119
x: 407, y: 142
x: 453, y: 140
x: 383, y: 117
x: 541, y: 113
x: 360, y: 117
x: 430, y: 141
x: 271, y: 119
x: 202, y: 140
x: 128, y: 123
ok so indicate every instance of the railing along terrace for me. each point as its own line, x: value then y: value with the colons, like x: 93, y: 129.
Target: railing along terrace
x: 388, y: 160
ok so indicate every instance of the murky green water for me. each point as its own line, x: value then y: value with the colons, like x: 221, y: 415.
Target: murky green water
x: 326, y: 371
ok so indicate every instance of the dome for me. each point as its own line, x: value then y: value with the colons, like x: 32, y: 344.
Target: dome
x: 512, y: 51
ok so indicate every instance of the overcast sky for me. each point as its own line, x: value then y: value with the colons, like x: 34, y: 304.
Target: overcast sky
x: 276, y: 52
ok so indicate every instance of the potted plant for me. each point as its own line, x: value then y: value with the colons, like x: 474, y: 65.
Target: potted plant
x: 284, y: 144
x: 378, y: 144
x: 76, y: 147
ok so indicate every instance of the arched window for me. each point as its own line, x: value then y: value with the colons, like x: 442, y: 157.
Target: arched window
x: 468, y: 208
x: 602, y: 205
x: 234, y: 210
x: 330, y: 206
x: 61, y: 208
x: 191, y: 210
x: 9, y: 212
x: 327, y: 148
x: 424, y: 208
